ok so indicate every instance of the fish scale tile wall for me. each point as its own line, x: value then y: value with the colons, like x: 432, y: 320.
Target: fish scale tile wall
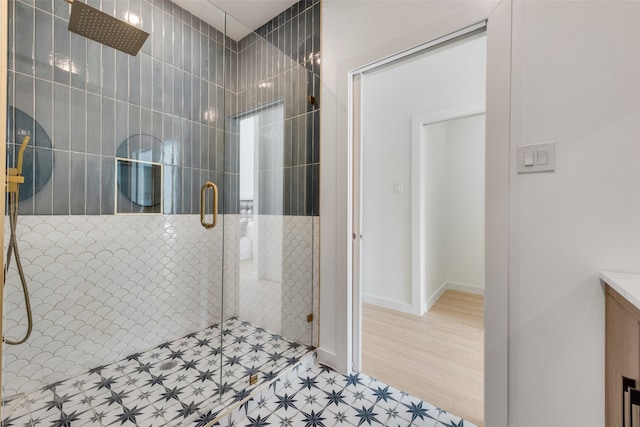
x: 105, y: 286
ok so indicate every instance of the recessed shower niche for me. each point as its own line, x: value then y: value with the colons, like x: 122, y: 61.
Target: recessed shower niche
x: 139, y: 176
x: 139, y: 187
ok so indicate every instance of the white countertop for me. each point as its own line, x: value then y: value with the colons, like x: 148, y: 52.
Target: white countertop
x: 627, y: 285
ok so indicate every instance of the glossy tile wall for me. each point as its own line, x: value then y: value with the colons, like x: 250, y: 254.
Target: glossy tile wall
x: 81, y: 101
x: 91, y: 103
x: 279, y: 64
x: 103, y: 287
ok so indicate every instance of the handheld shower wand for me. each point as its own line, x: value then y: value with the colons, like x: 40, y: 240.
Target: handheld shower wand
x: 14, y: 179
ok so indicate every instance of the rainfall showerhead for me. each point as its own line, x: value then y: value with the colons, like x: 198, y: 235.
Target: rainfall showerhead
x: 96, y: 25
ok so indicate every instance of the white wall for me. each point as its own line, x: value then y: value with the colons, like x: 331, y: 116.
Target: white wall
x: 454, y: 208
x: 464, y: 207
x: 435, y: 159
x: 575, y: 81
x: 440, y: 79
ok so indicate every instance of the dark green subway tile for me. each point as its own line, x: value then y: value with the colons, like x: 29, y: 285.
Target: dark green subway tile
x: 61, y: 117
x: 61, y: 9
x: 43, y: 113
x: 146, y: 81
x: 61, y: 46
x: 186, y: 45
x: 157, y: 84
x: 196, y: 155
x: 122, y: 124
x: 156, y: 34
x: 167, y: 40
x: 94, y: 68
x: 178, y: 94
x: 77, y: 61
x: 195, y: 100
x: 195, y: 191
x: 187, y: 144
x: 77, y: 184
x: 108, y: 72
x: 24, y: 40
x: 107, y: 186
x: 24, y: 96
x: 43, y: 184
x: 93, y: 185
x: 43, y: 45
x: 146, y: 123
x: 186, y: 95
x: 78, y: 120
x: 134, y: 79
x: 316, y: 137
x: 122, y: 76
x: 108, y: 139
x: 187, y: 188
x: 94, y: 124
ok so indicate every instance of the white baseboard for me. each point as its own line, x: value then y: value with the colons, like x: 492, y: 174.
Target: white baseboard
x: 388, y: 303
x: 435, y: 296
x: 463, y: 287
x: 327, y: 357
x: 453, y: 286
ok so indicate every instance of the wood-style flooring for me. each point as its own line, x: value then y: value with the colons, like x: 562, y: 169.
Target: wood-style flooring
x: 437, y: 357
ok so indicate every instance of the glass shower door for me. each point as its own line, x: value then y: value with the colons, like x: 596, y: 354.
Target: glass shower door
x: 271, y: 197
x: 125, y: 285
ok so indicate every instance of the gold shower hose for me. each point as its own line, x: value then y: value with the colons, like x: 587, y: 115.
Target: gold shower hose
x: 14, y: 179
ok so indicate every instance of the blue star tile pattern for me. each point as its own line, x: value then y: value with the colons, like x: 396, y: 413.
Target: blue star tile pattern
x: 375, y: 404
x: 178, y: 384
x: 175, y: 384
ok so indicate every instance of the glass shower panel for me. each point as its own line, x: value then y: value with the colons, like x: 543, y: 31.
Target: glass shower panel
x: 126, y: 302
x: 271, y: 204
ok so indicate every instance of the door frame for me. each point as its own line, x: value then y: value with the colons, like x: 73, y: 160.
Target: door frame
x: 497, y: 162
x: 357, y: 181
x: 419, y: 303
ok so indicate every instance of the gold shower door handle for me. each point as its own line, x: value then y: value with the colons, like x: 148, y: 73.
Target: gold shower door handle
x: 203, y: 195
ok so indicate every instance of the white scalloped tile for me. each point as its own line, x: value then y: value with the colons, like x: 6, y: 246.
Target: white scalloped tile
x: 104, y: 287
x: 90, y: 293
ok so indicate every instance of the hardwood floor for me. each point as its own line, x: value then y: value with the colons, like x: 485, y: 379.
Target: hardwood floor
x: 437, y: 357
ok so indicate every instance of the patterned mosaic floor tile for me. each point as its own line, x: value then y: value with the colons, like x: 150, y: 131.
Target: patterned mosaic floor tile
x: 179, y: 384
x: 320, y: 397
x: 186, y: 382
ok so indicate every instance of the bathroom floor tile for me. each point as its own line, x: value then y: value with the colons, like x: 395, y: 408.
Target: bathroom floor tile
x: 177, y: 383
x: 320, y: 397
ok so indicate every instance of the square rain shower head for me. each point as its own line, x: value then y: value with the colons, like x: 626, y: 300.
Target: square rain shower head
x: 96, y: 25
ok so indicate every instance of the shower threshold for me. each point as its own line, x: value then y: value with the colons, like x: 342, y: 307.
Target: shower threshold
x: 185, y: 382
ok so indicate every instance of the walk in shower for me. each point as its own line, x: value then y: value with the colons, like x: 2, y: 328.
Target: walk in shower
x: 142, y: 316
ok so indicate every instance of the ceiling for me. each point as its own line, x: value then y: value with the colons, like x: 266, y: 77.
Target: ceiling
x: 244, y: 15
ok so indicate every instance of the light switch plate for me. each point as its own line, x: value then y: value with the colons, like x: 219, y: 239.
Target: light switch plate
x: 398, y: 187
x: 541, y: 163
